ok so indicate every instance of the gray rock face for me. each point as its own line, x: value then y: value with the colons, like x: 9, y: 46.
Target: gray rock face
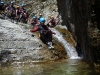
x: 16, y: 43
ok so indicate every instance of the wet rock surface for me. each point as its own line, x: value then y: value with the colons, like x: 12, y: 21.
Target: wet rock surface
x: 18, y: 44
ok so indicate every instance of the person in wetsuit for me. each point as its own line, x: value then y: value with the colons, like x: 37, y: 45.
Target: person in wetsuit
x: 40, y: 16
x: 45, y: 32
x: 52, y: 22
x: 2, y: 7
x: 11, y: 10
x: 34, y: 21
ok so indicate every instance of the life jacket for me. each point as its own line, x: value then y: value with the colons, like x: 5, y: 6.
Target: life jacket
x: 11, y: 9
x: 43, y: 29
x: 2, y: 8
x: 24, y: 14
x: 34, y: 21
x: 22, y: 10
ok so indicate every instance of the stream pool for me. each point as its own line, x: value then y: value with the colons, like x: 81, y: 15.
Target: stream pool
x: 59, y: 67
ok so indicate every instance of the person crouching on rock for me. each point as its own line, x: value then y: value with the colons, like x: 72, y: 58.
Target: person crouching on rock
x: 34, y: 21
x: 45, y: 32
x: 52, y: 22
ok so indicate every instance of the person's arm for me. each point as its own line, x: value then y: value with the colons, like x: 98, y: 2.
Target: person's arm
x: 32, y: 21
x: 35, y: 29
x: 16, y: 12
x: 51, y: 31
x: 48, y: 24
x: 49, y: 21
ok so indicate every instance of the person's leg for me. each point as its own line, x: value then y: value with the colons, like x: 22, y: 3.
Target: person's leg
x: 49, y: 37
x: 44, y: 37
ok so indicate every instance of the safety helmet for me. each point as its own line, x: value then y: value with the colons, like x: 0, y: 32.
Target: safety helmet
x: 22, y: 4
x: 2, y: 2
x: 12, y: 2
x: 18, y: 7
x: 42, y: 20
x: 52, y: 16
x: 35, y: 17
x: 40, y: 14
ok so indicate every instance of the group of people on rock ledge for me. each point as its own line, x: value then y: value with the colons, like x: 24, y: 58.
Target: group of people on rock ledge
x: 14, y: 12
x: 51, y: 22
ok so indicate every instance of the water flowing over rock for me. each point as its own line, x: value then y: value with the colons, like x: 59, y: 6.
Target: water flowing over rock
x: 71, y: 51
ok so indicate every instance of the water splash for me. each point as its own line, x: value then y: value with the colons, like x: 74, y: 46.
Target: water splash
x: 71, y: 51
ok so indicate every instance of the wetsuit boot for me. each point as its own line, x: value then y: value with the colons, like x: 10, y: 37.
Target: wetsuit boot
x: 51, y: 45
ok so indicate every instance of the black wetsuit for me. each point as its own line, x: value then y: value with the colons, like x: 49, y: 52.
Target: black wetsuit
x: 45, y: 33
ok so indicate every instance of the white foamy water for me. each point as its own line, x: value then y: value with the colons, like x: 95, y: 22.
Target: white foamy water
x: 71, y: 51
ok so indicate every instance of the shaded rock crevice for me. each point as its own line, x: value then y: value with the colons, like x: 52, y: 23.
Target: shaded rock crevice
x: 80, y: 19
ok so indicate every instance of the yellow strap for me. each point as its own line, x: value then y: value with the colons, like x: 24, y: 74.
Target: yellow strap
x: 39, y: 35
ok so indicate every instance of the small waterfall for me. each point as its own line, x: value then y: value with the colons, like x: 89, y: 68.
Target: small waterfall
x: 71, y: 51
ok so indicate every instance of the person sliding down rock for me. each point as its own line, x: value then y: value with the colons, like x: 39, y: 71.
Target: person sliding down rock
x: 45, y: 32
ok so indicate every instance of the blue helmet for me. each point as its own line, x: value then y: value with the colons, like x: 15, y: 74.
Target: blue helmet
x: 42, y: 20
x: 2, y: 2
x: 22, y: 4
x: 12, y: 2
x: 34, y: 16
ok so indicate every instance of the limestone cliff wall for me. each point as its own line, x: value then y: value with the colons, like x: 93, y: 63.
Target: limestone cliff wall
x: 79, y: 17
